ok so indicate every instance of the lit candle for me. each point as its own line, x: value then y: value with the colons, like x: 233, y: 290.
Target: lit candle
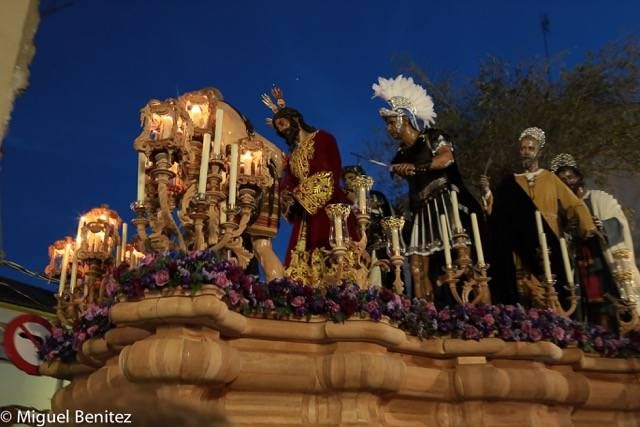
x: 545, y: 257
x: 167, y: 126
x: 456, y: 211
x: 63, y: 272
x: 565, y: 260
x: 74, y: 272
x: 217, y: 140
x: 142, y: 161
x: 444, y: 233
x: 245, y: 163
x: 204, y: 163
x: 233, y: 176
x: 223, y: 212
x: 476, y: 239
x: 539, y: 222
x: 120, y: 254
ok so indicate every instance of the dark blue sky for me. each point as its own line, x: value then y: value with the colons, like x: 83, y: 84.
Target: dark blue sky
x: 69, y: 144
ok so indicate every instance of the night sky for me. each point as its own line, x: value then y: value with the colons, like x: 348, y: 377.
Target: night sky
x: 69, y: 144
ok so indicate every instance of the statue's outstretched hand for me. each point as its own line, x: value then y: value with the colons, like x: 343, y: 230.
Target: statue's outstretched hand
x: 404, y: 169
x: 485, y: 184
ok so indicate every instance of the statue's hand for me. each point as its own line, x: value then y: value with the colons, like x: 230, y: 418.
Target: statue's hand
x: 286, y: 202
x: 485, y: 184
x: 404, y: 169
x: 599, y: 224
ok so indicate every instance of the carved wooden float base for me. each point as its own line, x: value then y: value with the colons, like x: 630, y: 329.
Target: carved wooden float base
x: 263, y: 372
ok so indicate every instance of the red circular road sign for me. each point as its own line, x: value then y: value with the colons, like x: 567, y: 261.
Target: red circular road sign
x: 22, y: 337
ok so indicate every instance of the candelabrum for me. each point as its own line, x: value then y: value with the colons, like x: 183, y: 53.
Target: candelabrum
x: 627, y: 305
x: 393, y: 228
x: 62, y: 260
x: 91, y: 255
x: 339, y: 240
x: 475, y: 288
x: 552, y: 300
x: 204, y: 167
x: 362, y: 210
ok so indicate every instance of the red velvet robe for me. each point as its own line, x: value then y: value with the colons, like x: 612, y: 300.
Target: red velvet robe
x: 325, y: 157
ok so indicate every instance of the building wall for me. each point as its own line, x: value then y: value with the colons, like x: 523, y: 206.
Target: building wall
x: 19, y: 388
x: 18, y: 23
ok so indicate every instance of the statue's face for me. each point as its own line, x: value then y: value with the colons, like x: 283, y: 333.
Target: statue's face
x: 398, y: 127
x: 570, y: 178
x: 282, y: 124
x: 287, y: 129
x: 529, y: 151
x: 349, y: 177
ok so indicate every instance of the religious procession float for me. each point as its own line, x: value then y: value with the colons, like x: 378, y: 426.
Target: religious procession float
x: 178, y: 313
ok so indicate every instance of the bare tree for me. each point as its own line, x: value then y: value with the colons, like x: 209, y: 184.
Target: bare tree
x: 591, y: 110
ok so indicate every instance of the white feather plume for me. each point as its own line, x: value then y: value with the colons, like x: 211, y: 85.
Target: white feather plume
x: 403, y: 93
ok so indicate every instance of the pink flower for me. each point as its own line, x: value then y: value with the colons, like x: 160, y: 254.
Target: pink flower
x: 298, y: 301
x: 234, y: 297
x: 220, y: 279
x: 268, y: 304
x: 533, y: 314
x: 557, y: 333
x: 332, y: 307
x: 91, y: 330
x: 57, y: 334
x: 161, y: 277
x: 81, y: 337
x: 598, y: 342
x: 489, y: 320
x: 112, y: 288
x: 148, y: 259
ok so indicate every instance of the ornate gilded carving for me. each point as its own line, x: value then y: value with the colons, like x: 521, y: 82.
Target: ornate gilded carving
x: 315, y: 191
x: 300, y: 157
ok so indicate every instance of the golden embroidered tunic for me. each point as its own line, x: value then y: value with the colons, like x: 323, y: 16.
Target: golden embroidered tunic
x: 312, y: 177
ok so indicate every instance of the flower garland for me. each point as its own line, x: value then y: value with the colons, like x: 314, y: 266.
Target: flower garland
x: 283, y: 298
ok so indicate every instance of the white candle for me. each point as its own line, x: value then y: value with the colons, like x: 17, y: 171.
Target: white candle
x: 539, y: 222
x: 167, y: 126
x: 476, y: 239
x: 456, y: 211
x: 395, y: 241
x: 545, y: 257
x: 565, y: 260
x: 204, y: 163
x: 118, y: 253
x: 217, y: 140
x: 142, y: 161
x: 362, y: 199
x: 444, y: 233
x: 65, y: 264
x: 125, y: 229
x: 74, y: 272
x: 338, y: 226
x: 233, y: 176
x: 223, y: 212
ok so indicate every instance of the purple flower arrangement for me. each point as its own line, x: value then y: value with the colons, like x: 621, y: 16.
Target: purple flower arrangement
x: 188, y: 271
x: 284, y: 298
x: 65, y: 342
x: 93, y: 322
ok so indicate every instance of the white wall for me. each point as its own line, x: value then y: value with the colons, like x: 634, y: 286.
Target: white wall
x: 19, y: 388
